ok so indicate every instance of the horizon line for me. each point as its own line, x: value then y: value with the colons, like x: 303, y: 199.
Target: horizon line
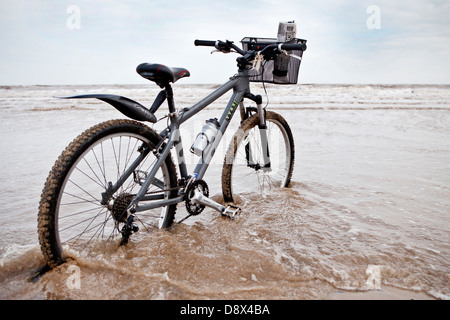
x: 6, y: 86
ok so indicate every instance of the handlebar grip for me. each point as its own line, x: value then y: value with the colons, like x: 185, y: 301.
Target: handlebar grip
x: 207, y: 43
x: 297, y: 46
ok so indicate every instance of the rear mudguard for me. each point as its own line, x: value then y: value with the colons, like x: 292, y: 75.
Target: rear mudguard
x: 128, y: 107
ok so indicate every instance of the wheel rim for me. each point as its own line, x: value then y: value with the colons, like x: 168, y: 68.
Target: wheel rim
x: 80, y: 217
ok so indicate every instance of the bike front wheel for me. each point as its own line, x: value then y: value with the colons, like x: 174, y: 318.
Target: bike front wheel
x: 246, y: 169
x: 79, y: 211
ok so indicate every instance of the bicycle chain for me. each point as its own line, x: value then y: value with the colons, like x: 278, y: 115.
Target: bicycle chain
x: 164, y: 190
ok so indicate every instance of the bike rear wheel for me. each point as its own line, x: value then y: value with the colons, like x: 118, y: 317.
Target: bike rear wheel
x: 244, y: 168
x: 74, y: 213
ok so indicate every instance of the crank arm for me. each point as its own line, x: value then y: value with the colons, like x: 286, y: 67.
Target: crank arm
x: 200, y: 198
x: 229, y: 211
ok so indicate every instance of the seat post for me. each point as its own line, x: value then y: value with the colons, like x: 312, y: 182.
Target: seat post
x: 170, y: 101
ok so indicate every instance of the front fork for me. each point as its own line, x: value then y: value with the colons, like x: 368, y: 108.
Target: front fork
x: 245, y: 113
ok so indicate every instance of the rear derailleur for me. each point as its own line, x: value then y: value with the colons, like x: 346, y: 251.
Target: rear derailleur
x: 128, y: 229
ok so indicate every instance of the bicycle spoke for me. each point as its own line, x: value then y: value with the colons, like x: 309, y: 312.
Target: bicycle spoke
x: 78, y: 236
x: 78, y: 213
x: 83, y: 200
x: 82, y: 221
x: 79, y: 187
x: 89, y: 177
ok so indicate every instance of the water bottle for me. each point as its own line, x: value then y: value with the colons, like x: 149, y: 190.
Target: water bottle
x: 205, y: 137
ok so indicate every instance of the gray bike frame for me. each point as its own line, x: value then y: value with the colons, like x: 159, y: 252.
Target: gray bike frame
x: 240, y: 85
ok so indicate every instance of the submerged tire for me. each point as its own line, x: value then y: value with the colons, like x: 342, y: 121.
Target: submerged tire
x: 70, y: 210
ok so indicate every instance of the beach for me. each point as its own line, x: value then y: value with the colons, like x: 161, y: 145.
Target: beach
x: 366, y: 215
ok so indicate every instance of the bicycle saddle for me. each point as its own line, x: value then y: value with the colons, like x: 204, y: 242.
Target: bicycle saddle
x: 161, y: 74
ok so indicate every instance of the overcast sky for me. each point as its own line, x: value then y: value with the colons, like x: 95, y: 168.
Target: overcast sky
x: 102, y: 41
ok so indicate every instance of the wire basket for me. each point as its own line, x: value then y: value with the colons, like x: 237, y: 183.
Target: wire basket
x: 283, y: 69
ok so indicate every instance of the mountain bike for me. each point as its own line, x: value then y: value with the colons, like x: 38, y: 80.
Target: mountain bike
x: 119, y: 176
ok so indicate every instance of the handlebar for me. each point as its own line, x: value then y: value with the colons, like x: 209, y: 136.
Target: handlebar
x: 206, y: 43
x: 228, y: 45
x: 293, y: 46
x: 269, y: 52
x: 224, y: 46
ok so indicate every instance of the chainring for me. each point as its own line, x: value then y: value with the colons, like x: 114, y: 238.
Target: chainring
x: 195, y: 208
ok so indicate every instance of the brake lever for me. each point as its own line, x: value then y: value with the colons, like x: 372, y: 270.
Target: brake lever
x: 217, y: 50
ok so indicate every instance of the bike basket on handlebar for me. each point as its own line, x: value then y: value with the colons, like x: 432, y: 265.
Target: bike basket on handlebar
x: 283, y: 69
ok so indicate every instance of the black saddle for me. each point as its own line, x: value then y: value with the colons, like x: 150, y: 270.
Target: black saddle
x: 160, y: 73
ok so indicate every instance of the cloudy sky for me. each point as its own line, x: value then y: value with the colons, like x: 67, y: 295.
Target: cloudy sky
x: 102, y: 41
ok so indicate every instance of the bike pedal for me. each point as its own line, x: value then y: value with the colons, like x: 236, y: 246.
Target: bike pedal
x: 231, y: 212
